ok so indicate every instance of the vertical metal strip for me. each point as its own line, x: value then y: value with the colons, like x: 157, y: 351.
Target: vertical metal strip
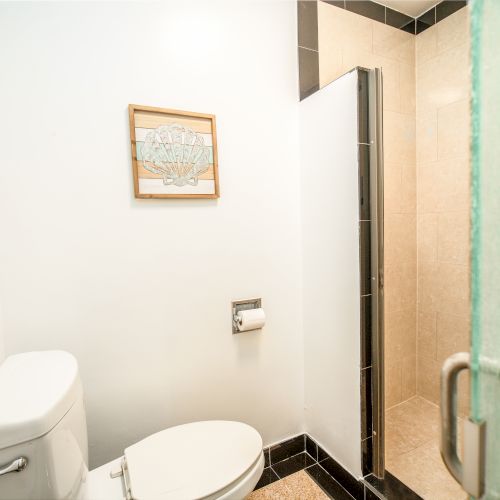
x: 375, y: 111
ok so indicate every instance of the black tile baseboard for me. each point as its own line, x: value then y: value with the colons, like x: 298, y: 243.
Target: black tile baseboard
x: 311, y: 447
x: 326, y: 482
x: 390, y: 488
x: 287, y: 449
x: 268, y: 477
x: 293, y: 464
x: 303, y: 453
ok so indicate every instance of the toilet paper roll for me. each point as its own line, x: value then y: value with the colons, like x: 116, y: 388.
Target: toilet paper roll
x: 251, y: 319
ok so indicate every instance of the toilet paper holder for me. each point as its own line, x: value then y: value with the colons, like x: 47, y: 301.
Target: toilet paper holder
x: 243, y: 305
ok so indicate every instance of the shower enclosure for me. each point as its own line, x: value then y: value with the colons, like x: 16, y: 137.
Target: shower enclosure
x: 457, y: 251
x: 393, y: 282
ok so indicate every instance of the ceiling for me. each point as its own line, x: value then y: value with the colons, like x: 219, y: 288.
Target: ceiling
x: 411, y: 8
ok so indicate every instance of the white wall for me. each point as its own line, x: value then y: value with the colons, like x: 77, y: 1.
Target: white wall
x: 331, y: 290
x: 2, y: 340
x: 140, y: 290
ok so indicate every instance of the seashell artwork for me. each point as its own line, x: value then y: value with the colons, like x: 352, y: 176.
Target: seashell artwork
x: 177, y: 153
x: 174, y: 153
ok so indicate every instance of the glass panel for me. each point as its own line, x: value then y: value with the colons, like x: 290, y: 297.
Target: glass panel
x: 486, y: 231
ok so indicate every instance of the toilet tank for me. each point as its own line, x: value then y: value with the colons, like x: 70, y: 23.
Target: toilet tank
x: 42, y: 419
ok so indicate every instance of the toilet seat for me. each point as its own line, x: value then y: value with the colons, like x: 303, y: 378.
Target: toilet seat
x: 191, y: 461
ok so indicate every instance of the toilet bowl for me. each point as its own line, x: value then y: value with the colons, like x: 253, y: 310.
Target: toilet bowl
x: 208, y: 460
x: 44, y: 449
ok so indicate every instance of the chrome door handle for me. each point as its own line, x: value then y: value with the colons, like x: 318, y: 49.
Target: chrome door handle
x: 17, y: 465
x: 470, y: 472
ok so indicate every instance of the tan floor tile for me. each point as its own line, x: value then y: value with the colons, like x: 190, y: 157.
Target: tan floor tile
x: 274, y: 491
x: 297, y: 486
x: 412, y: 450
x: 301, y: 486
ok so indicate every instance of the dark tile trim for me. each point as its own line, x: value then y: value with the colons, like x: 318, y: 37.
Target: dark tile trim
x: 366, y: 409
x: 268, y: 476
x: 396, y: 19
x: 267, y: 459
x: 366, y: 331
x: 303, y: 453
x: 308, y: 72
x: 327, y: 483
x: 336, y: 3
x: 293, y: 464
x: 354, y: 487
x: 367, y: 8
x: 330, y: 476
x: 390, y: 487
x: 311, y: 447
x: 287, y: 449
x: 426, y: 20
x: 367, y: 455
x: 307, y: 22
x: 411, y: 27
x: 365, y: 257
x: 364, y: 181
x: 366, y: 299
x: 447, y: 8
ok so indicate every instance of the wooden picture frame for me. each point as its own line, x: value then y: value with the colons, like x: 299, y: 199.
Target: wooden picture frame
x: 174, y: 153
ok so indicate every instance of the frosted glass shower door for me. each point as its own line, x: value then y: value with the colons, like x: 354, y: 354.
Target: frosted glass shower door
x: 485, y: 353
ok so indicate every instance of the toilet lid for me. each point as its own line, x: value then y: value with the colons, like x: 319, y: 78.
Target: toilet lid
x: 191, y: 461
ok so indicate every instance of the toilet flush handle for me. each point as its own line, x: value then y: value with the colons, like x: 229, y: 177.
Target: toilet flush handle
x: 17, y: 465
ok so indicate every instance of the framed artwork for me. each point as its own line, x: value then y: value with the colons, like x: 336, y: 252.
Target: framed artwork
x: 174, y: 153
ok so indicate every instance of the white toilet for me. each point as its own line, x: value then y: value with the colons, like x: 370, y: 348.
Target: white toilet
x: 44, y: 449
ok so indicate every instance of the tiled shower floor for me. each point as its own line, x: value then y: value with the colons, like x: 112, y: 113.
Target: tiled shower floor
x: 412, y: 450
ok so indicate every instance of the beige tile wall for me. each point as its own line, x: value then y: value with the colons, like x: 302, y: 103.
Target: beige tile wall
x: 347, y: 40
x: 443, y: 203
x: 426, y: 161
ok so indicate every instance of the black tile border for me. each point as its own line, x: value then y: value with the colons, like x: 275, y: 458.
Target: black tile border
x: 308, y: 72
x: 366, y: 407
x: 367, y: 8
x: 307, y: 24
x: 268, y: 476
x: 286, y: 449
x: 307, y: 38
x: 327, y: 483
x: 366, y: 297
x: 390, y: 488
x: 396, y: 19
x: 366, y: 331
x: 329, y: 475
x: 293, y: 464
x: 426, y: 20
x: 303, y: 453
x: 367, y: 455
x: 447, y: 8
